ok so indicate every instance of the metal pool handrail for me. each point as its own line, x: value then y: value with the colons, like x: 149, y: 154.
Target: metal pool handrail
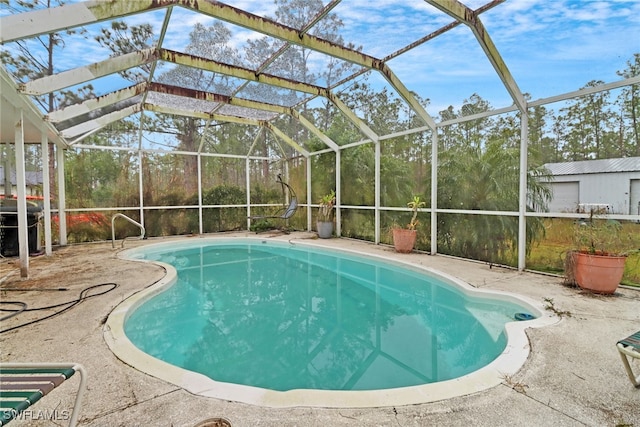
x: 113, y: 230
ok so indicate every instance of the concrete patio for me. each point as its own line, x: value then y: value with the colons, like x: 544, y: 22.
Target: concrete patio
x: 573, y: 376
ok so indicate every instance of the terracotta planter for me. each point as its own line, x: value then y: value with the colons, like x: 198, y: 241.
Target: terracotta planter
x: 598, y: 273
x: 404, y: 240
x: 325, y: 229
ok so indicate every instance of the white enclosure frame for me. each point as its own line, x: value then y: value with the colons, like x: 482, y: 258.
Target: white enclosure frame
x: 25, y: 117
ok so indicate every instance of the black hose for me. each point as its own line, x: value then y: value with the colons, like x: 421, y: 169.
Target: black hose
x: 23, y: 306
x: 69, y: 305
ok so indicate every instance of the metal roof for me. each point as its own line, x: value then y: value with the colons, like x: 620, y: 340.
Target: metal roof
x: 31, y: 177
x: 626, y: 164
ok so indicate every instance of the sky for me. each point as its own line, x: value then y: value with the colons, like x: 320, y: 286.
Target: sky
x: 549, y: 46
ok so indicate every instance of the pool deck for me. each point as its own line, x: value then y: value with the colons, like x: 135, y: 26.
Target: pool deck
x: 572, y: 377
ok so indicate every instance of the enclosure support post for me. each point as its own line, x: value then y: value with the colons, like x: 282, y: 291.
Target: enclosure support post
x: 309, y: 228
x: 522, y: 207
x: 141, y: 186
x: 7, y: 171
x: 338, y: 195
x: 62, y: 196
x: 46, y: 192
x: 247, y: 167
x: 200, y: 225
x: 21, y: 194
x: 377, y: 191
x: 248, y: 185
x: 434, y: 192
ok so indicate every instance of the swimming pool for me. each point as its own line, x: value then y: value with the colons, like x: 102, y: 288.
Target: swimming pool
x: 287, y: 324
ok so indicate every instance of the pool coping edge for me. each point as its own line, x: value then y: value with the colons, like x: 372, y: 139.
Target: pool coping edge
x: 507, y: 364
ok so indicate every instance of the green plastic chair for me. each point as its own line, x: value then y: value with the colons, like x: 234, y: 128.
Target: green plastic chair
x: 23, y: 384
x: 630, y: 348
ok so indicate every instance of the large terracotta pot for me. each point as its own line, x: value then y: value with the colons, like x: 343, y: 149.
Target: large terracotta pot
x: 598, y: 273
x: 404, y: 240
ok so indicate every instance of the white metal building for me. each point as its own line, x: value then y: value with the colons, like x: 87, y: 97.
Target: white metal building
x: 608, y: 185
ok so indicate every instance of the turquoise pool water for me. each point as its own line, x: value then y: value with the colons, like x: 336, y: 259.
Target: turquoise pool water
x: 283, y: 317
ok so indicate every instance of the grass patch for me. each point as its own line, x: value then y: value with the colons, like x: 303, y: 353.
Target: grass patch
x: 548, y: 255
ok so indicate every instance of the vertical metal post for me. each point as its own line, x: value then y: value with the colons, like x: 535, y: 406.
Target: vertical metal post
x: 248, y: 184
x: 522, y: 205
x: 200, y: 223
x: 21, y: 190
x: 377, y: 191
x: 7, y: 172
x: 309, y: 227
x: 140, y: 174
x: 338, y: 195
x: 434, y: 192
x: 46, y: 193
x: 62, y: 197
x: 141, y: 186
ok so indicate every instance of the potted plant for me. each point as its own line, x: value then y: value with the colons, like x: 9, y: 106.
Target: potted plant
x: 404, y: 239
x: 597, y: 261
x: 325, y: 215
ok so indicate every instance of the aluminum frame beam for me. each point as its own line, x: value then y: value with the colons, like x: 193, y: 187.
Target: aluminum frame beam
x: 94, y: 124
x: 230, y: 119
x: 93, y: 104
x: 240, y: 102
x: 256, y: 23
x: 244, y: 73
x: 286, y: 138
x: 236, y: 71
x: 200, y: 115
x: 89, y: 72
x: 471, y: 18
x: 317, y: 132
x: 86, y: 73
x: 245, y: 103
